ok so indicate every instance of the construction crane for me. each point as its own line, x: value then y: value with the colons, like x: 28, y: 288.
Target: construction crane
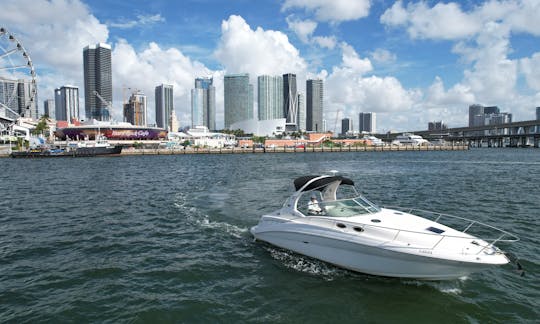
x: 338, y: 112
x: 108, y: 104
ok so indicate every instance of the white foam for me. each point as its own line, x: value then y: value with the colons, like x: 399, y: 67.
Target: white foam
x: 306, y: 265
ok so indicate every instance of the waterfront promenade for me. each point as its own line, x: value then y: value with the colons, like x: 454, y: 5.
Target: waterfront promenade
x: 248, y: 150
x: 315, y: 149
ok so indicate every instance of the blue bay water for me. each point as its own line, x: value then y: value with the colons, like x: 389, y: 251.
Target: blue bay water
x: 166, y: 239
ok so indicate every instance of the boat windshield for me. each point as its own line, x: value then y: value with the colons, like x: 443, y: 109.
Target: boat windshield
x: 346, y: 207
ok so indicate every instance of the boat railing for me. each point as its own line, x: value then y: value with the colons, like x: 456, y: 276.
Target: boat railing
x: 503, y: 236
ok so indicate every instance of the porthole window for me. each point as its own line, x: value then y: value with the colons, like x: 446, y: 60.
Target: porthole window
x: 375, y: 220
x: 340, y: 225
x: 358, y: 229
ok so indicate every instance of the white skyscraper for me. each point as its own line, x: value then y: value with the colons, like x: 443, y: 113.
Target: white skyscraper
x: 301, y: 119
x: 66, y: 102
x: 270, y: 97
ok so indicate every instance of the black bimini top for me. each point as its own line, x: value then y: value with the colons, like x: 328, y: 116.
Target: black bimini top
x: 319, y: 184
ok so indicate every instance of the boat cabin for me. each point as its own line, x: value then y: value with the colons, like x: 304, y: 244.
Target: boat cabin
x: 333, y: 196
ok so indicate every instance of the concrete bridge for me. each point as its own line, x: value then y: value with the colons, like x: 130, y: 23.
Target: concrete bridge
x: 516, y: 134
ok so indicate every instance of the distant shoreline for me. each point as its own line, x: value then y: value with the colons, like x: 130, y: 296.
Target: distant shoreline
x: 238, y: 150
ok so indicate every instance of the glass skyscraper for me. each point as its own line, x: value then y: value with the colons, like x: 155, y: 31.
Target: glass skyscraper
x: 289, y: 98
x: 164, y: 105
x: 314, y: 105
x: 238, y: 95
x: 97, y: 78
x: 49, y: 108
x: 66, y: 102
x: 301, y: 116
x: 203, y: 103
x: 367, y: 122
x: 270, y: 97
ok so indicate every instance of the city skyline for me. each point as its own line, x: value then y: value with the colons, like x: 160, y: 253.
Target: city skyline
x: 413, y: 62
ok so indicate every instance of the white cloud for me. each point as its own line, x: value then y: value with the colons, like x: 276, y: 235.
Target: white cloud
x: 242, y: 49
x: 140, y: 21
x: 347, y: 89
x: 442, y: 21
x: 152, y: 66
x: 530, y: 67
x: 302, y: 28
x: 328, y: 42
x: 457, y: 96
x: 333, y: 11
x: 381, y: 55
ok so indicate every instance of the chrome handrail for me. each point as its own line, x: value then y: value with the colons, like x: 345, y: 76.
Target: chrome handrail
x: 331, y: 220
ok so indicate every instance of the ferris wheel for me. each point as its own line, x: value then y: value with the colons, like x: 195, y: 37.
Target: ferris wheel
x: 18, y: 88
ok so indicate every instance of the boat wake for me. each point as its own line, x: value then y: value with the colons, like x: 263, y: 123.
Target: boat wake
x: 306, y: 265
x: 203, y: 221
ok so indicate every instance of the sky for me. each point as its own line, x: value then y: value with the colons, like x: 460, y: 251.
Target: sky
x: 411, y: 62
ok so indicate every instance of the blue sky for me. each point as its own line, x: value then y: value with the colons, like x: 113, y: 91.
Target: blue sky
x: 409, y: 61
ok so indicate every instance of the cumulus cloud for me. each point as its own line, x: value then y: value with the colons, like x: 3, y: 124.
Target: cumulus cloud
x: 151, y: 66
x: 349, y: 90
x: 242, y: 49
x: 442, y: 21
x: 332, y: 11
x: 328, y: 42
x: 530, y: 67
x: 141, y: 20
x: 381, y: 55
x: 302, y: 28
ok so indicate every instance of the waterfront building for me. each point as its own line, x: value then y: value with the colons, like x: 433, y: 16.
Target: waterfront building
x: 66, y: 103
x: 437, y: 126
x: 270, y: 97
x: 238, y: 97
x: 290, y: 97
x: 15, y: 95
x: 367, y: 122
x: 173, y: 122
x: 97, y: 79
x: 314, y: 105
x: 301, y: 117
x: 27, y: 108
x: 480, y: 116
x: 164, y: 105
x: 135, y: 110
x: 203, y: 103
x: 8, y: 95
x: 346, y: 126
x: 49, y: 108
x: 266, y: 127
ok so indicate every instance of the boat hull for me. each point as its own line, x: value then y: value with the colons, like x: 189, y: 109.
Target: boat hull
x: 369, y: 259
x: 79, y: 152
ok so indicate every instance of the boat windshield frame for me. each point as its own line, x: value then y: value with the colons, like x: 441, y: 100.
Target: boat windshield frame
x: 355, y: 205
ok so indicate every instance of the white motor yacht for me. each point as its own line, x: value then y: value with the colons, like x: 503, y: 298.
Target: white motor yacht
x: 327, y: 219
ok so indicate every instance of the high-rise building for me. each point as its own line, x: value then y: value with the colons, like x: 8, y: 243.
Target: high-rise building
x: 135, y: 110
x: 290, y: 97
x: 97, y: 81
x: 270, y: 97
x: 537, y: 113
x: 301, y: 116
x: 27, y: 105
x: 238, y: 97
x: 173, y: 122
x: 367, y: 122
x: 476, y: 115
x: 164, y: 105
x: 346, y: 126
x: 66, y: 102
x: 9, y: 95
x: 314, y: 105
x: 49, y: 108
x: 437, y: 126
x: 203, y: 103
